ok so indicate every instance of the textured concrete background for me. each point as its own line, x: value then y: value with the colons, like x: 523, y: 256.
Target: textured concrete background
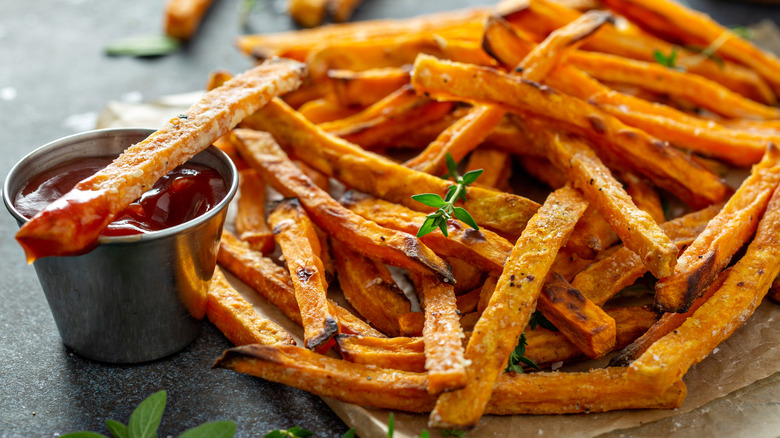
x: 53, y: 81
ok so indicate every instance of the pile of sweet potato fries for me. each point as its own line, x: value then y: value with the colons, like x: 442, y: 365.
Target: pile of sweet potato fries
x: 576, y: 97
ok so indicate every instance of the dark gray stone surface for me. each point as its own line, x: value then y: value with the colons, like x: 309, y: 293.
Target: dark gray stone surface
x: 53, y: 68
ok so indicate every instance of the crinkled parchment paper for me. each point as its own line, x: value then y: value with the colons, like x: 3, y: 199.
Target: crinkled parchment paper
x: 733, y: 392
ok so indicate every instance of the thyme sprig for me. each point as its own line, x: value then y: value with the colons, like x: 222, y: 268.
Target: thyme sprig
x: 446, y: 209
x: 518, y: 356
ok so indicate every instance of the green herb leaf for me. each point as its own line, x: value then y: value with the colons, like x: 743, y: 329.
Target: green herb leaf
x: 518, y: 356
x: 666, y: 60
x: 430, y: 199
x: 214, y: 429
x: 145, y: 419
x: 453, y: 432
x: 349, y: 434
x: 117, y: 429
x: 452, y: 167
x: 743, y: 32
x: 462, y: 215
x: 143, y: 46
x: 293, y: 432
x: 538, y: 319
x: 446, y: 209
x: 425, y: 434
x: 472, y: 176
x: 390, y: 425
x: 83, y: 434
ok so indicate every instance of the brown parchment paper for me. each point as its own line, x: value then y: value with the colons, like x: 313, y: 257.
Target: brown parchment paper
x: 733, y: 392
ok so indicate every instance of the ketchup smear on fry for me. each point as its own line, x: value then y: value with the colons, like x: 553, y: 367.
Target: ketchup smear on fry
x: 180, y: 196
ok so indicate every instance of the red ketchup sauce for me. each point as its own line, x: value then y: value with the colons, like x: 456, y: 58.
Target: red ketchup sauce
x: 182, y: 195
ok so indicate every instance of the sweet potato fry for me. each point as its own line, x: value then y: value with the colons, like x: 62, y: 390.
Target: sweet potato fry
x: 708, y: 137
x: 499, y: 163
x: 274, y: 284
x: 250, y: 213
x: 458, y: 139
x: 605, y: 278
x: 644, y: 195
x: 370, y: 289
x: 236, y: 318
x: 498, y: 330
x: 486, y: 292
x: 678, y: 174
x: 593, y: 233
x: 701, y: 262
x: 442, y: 335
x: 569, y: 264
x: 696, y: 89
x: 365, y: 237
x: 544, y: 346
x: 318, y: 178
x: 668, y: 359
x: 74, y: 222
x: 298, y: 44
x: 482, y: 248
x: 589, y: 328
x: 378, y: 124
x: 631, y: 42
x: 364, y: 88
x: 182, y: 17
x: 664, y: 326
x: 599, y: 390
x: 468, y: 302
x: 774, y: 291
x: 412, y: 323
x: 307, y: 13
x: 324, y: 110
x: 382, y: 177
x: 541, y: 59
x: 467, y: 276
x: 680, y: 24
x: 636, y: 228
x: 296, y: 237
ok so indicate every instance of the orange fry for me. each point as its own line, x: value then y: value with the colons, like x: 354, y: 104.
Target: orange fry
x: 296, y: 237
x: 498, y: 330
x: 598, y: 390
x: 74, y: 222
x: 182, y: 17
x: 442, y: 335
x: 370, y: 289
x: 364, y: 88
x: 236, y: 318
x: 250, y: 213
x: 712, y: 250
x: 668, y: 359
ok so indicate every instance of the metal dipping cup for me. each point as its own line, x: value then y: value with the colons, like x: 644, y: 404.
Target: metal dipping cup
x: 132, y: 298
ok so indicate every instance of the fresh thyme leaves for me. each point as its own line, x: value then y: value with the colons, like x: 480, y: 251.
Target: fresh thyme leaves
x: 518, y: 356
x: 538, y: 319
x: 453, y: 432
x: 349, y: 434
x: 145, y: 420
x: 445, y: 206
x: 293, y: 432
x: 743, y: 32
x: 669, y: 60
x: 143, y: 46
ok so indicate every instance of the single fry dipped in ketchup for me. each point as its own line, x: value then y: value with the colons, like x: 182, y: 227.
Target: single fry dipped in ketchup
x: 74, y: 222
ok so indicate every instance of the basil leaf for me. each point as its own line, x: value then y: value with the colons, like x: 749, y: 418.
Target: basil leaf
x: 143, y: 46
x: 214, y: 429
x: 145, y: 419
x: 117, y: 429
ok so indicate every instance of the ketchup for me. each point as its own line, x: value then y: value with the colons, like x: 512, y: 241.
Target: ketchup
x: 182, y: 195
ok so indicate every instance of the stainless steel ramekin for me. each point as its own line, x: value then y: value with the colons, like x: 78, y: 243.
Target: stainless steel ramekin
x: 132, y: 298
